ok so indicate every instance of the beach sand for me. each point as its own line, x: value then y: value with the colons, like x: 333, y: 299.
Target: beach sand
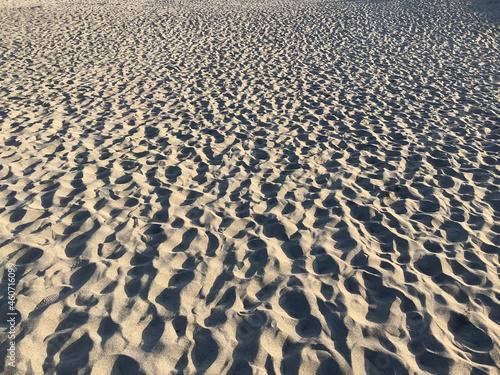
x: 250, y: 187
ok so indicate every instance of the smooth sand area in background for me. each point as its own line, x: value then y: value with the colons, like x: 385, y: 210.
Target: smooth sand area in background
x: 251, y: 187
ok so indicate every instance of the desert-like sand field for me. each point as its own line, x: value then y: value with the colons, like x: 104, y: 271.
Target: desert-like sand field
x: 293, y: 187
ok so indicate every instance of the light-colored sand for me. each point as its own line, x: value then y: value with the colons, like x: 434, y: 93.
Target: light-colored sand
x: 251, y: 187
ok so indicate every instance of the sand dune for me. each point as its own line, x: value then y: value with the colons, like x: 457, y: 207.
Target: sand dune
x: 251, y: 187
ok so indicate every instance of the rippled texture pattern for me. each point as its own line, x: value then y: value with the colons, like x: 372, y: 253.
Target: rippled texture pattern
x: 242, y: 187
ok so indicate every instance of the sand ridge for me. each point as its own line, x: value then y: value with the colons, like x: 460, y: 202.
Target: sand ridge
x: 295, y: 187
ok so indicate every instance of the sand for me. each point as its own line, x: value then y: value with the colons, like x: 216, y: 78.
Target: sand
x: 251, y: 187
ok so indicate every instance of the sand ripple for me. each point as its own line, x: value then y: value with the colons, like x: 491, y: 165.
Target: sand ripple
x: 241, y: 187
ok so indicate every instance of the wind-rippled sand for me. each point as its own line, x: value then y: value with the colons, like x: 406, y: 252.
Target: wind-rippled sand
x: 251, y: 187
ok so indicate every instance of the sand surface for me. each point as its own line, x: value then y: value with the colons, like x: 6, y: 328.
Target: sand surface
x: 251, y: 187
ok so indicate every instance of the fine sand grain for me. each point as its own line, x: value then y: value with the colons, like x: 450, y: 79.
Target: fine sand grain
x: 251, y: 187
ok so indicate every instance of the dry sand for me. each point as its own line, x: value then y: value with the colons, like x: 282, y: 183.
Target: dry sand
x: 251, y: 187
